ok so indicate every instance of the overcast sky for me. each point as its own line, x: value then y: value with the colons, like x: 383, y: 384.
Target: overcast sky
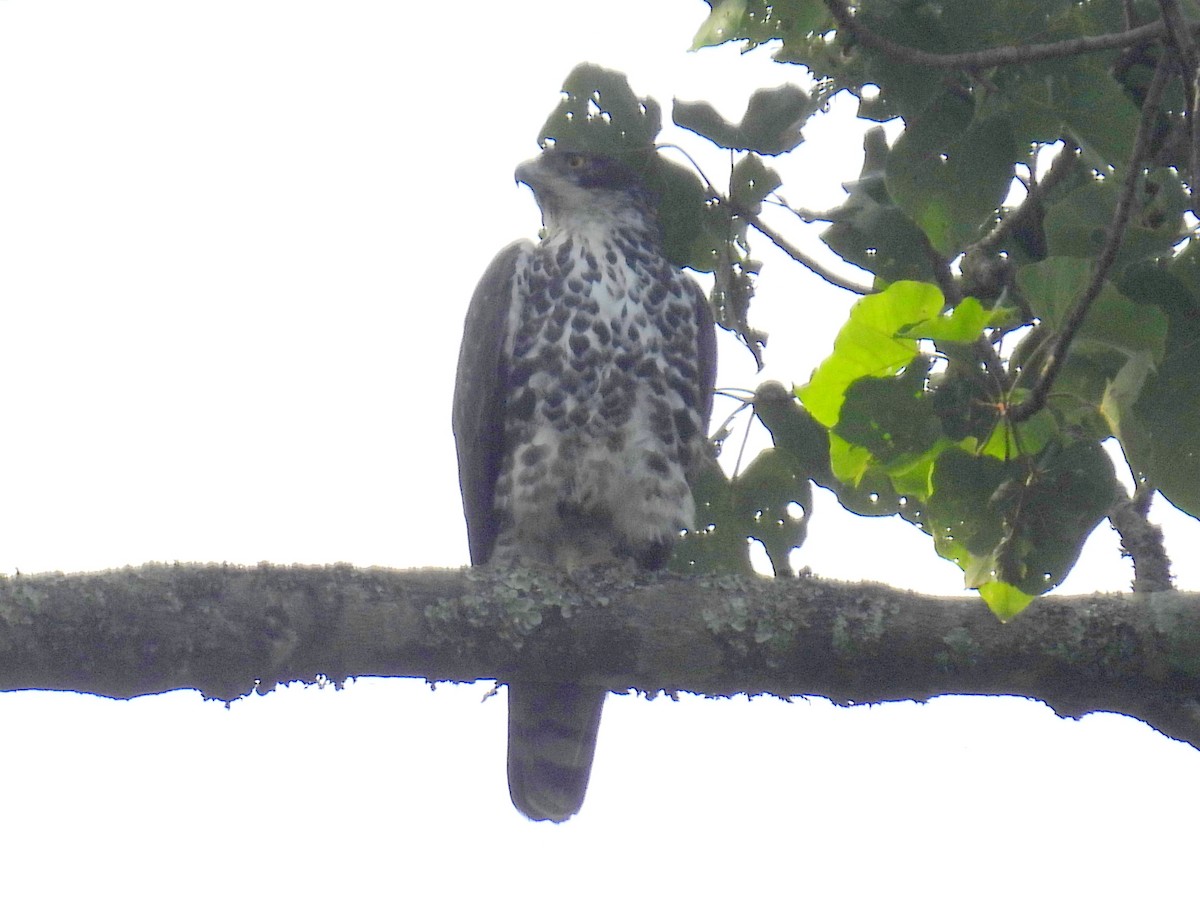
x: 237, y: 240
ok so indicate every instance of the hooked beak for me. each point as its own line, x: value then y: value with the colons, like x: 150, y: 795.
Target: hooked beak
x: 530, y: 172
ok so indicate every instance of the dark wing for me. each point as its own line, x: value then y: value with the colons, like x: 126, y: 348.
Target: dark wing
x: 706, y: 350
x: 479, y: 389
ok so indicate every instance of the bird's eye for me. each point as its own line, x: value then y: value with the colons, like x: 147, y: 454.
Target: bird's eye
x: 575, y: 161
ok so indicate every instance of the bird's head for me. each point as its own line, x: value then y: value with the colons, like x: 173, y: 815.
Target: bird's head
x: 577, y: 188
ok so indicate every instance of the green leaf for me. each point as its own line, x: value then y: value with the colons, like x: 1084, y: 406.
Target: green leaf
x: 1114, y: 322
x: 1020, y: 522
x: 860, y: 487
x: 756, y: 505
x: 868, y: 345
x: 1009, y: 440
x: 774, y: 118
x: 870, y: 231
x: 1096, y: 112
x: 759, y: 21
x: 1076, y: 225
x: 949, y: 171
x: 771, y: 124
x: 599, y: 112
x: 693, y: 232
x: 965, y: 397
x: 947, y: 26
x: 1004, y: 600
x: 764, y: 496
x: 725, y: 22
x: 893, y: 418
x: 750, y: 182
x: 1168, y: 407
x: 965, y: 324
x: 716, y: 545
x: 1118, y: 409
x: 963, y: 528
x: 850, y: 462
x: 1079, y: 97
x: 794, y: 430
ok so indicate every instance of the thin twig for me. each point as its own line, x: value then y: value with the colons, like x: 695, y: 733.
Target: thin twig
x: 1116, y: 232
x: 802, y: 213
x: 727, y: 426
x: 741, y: 395
x: 804, y: 259
x: 996, y: 56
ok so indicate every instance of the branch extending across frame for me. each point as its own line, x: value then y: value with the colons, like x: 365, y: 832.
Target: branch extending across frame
x: 997, y: 56
x: 1116, y: 232
x: 228, y: 631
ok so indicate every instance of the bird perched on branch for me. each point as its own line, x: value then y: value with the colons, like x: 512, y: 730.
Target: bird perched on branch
x: 581, y: 412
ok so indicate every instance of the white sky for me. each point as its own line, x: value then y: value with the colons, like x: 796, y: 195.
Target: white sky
x: 237, y: 240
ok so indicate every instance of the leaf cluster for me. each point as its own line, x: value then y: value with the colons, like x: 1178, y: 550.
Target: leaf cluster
x: 1035, y: 279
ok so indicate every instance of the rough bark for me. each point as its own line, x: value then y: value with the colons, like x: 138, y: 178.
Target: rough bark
x: 229, y: 630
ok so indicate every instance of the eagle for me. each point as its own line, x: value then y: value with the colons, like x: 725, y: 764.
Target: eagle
x: 581, y: 408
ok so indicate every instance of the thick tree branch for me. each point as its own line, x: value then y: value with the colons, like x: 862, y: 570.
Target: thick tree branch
x: 226, y: 630
x: 996, y: 56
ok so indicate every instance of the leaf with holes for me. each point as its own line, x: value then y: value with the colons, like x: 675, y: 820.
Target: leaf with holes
x: 759, y: 505
x: 1020, y: 523
x: 771, y: 124
x: 950, y: 170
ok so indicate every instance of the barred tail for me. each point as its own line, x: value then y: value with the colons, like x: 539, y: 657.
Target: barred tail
x: 551, y: 740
